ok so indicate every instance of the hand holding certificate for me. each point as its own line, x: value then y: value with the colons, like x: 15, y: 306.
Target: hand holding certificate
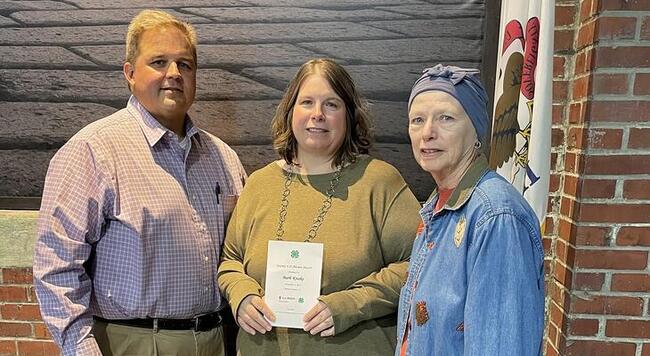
x: 253, y: 315
x: 319, y: 320
x: 293, y: 277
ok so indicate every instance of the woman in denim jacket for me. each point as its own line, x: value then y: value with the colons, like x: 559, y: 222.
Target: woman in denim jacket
x: 475, y: 284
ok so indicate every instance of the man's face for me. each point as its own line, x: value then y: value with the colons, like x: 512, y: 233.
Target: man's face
x: 163, y: 77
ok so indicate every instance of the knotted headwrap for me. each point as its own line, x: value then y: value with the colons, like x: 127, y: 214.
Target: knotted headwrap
x: 464, y: 85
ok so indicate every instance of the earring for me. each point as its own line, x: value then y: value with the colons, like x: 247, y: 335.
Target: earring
x: 477, y: 145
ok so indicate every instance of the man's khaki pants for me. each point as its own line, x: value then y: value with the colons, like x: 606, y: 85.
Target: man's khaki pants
x: 120, y: 340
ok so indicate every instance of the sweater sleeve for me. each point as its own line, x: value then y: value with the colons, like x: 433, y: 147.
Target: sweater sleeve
x: 377, y: 294
x: 233, y: 281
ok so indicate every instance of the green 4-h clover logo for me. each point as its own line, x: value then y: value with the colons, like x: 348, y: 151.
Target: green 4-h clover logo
x: 301, y: 300
x: 295, y: 254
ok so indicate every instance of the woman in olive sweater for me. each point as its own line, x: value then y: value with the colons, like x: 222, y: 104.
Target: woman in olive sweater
x: 368, y: 214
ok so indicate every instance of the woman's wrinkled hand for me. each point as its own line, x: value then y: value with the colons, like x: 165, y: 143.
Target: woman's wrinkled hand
x: 251, y: 315
x: 319, y: 320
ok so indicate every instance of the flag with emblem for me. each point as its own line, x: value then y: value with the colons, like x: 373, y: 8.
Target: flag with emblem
x: 520, y: 148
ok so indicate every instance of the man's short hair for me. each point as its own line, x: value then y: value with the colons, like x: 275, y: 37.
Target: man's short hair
x: 151, y: 19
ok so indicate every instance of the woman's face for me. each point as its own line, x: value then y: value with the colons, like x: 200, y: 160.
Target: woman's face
x: 318, y: 118
x: 442, y: 135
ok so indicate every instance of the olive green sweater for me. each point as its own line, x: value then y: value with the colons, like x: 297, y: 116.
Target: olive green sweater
x: 367, y: 235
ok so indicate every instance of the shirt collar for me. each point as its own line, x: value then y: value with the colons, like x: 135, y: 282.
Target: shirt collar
x: 153, y: 130
x: 465, y: 187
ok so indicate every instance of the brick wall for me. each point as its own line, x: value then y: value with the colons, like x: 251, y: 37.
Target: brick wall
x: 21, y: 330
x: 558, y: 257
x: 598, y: 227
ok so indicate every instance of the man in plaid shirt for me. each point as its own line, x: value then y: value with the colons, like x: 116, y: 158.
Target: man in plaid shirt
x: 134, y: 211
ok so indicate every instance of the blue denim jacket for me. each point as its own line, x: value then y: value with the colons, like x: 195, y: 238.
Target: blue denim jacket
x: 475, y: 284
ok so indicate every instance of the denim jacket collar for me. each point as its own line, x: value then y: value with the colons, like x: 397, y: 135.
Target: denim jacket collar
x: 465, y: 188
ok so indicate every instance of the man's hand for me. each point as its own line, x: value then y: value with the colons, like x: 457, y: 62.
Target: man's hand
x: 251, y: 313
x: 319, y: 320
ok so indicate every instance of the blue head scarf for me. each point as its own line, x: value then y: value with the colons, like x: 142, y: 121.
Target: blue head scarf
x: 464, y: 85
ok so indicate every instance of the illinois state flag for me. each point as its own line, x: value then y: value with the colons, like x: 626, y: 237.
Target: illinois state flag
x: 520, y: 149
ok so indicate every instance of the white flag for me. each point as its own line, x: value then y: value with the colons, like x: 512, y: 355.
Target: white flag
x: 521, y: 129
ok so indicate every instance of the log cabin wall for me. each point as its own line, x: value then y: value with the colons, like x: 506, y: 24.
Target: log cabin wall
x: 61, y: 69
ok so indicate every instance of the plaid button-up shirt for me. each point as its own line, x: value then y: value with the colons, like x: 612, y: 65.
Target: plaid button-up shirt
x: 131, y: 225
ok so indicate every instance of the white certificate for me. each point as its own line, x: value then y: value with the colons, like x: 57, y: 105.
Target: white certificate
x: 293, y: 272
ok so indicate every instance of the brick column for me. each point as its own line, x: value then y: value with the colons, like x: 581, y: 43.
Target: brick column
x: 558, y: 257
x: 21, y: 330
x: 598, y: 229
